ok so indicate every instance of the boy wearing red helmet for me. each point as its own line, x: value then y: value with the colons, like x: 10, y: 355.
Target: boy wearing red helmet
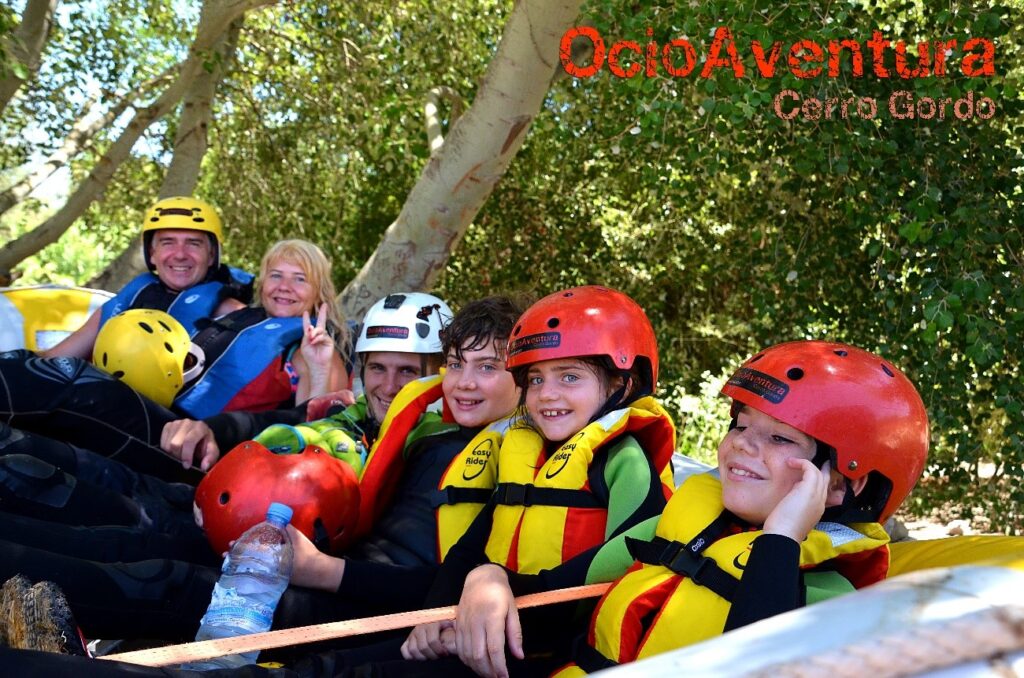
x: 827, y: 440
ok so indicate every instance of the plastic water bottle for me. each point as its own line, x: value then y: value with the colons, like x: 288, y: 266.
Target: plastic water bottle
x: 255, y: 574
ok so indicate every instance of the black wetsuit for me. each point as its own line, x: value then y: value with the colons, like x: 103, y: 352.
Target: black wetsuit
x: 131, y: 582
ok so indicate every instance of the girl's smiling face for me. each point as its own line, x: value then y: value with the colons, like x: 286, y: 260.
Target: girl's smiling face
x: 752, y: 463
x: 564, y: 394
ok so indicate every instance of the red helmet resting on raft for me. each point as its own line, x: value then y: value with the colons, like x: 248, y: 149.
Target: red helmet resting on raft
x: 322, y: 491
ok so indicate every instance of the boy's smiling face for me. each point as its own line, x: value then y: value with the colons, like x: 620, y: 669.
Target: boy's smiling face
x: 477, y: 387
x: 752, y: 463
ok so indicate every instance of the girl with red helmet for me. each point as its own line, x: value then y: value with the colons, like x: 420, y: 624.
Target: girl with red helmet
x: 589, y: 460
x: 826, y: 442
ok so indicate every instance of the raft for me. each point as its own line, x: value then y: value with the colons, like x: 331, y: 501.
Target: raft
x: 965, y: 620
x: 41, y: 316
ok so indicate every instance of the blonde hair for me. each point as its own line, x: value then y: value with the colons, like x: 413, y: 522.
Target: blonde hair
x: 317, y: 267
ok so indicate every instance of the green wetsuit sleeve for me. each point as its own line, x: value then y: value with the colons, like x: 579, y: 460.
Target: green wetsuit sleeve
x: 825, y: 584
x: 634, y: 488
x: 612, y: 558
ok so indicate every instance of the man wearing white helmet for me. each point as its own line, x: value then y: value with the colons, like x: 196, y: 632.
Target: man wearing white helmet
x: 399, y: 341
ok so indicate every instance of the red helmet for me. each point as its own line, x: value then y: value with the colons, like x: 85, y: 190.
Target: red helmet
x: 849, y: 399
x: 322, y: 491
x: 587, y: 321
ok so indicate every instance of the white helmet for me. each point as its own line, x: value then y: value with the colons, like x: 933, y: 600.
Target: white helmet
x: 404, y: 323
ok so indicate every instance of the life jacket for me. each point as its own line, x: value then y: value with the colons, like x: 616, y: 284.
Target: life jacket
x: 384, y: 463
x: 464, y: 486
x: 187, y: 306
x: 467, y: 484
x: 546, y: 511
x: 657, y: 607
x: 245, y: 356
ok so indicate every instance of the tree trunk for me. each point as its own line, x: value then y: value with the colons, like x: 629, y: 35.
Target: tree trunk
x: 462, y: 174
x: 190, y: 147
x: 213, y: 22
x: 27, y: 46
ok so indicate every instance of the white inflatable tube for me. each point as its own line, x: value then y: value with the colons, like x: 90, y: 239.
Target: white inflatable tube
x: 960, y: 621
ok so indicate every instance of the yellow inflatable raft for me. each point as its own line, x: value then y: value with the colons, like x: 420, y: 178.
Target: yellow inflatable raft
x: 39, y: 317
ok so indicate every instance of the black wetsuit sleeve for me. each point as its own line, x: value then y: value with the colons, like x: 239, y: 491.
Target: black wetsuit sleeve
x: 466, y: 554
x: 399, y: 585
x: 232, y: 428
x: 772, y: 582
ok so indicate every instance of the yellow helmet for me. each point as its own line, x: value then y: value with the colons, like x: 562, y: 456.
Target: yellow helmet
x: 182, y: 213
x: 148, y: 350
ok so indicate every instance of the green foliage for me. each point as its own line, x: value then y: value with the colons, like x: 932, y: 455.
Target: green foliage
x: 737, y: 229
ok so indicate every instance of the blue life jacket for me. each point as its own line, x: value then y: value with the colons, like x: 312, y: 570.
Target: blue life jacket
x: 187, y: 306
x: 239, y: 348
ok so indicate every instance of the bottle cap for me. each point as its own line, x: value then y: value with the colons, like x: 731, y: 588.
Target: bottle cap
x: 281, y: 512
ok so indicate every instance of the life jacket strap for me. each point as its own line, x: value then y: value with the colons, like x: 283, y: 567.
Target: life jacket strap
x: 520, y: 494
x: 446, y: 496
x: 590, y: 658
x: 675, y: 556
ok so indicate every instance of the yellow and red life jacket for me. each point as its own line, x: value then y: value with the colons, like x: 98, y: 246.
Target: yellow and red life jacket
x: 464, y: 486
x: 654, y: 608
x: 546, y: 511
x: 384, y: 463
x: 467, y: 484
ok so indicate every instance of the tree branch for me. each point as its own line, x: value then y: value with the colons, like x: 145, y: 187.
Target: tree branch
x: 215, y: 18
x: 476, y: 153
x: 29, y: 38
x: 82, y: 133
x: 190, y: 145
x: 435, y: 137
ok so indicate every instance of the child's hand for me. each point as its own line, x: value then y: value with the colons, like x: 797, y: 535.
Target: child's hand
x: 801, y: 509
x: 488, y: 620
x: 312, y: 568
x: 430, y: 641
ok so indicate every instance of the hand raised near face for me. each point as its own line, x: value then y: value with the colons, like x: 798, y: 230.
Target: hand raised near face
x: 317, y: 346
x: 802, y: 507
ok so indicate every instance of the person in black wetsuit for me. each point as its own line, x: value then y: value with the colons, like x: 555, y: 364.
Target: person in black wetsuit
x: 165, y: 598
x: 826, y: 442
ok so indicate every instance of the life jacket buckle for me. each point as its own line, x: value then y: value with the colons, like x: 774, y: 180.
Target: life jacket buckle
x: 514, y: 494
x: 678, y: 558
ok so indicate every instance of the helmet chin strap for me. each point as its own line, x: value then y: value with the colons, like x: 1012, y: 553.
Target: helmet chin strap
x: 618, y: 398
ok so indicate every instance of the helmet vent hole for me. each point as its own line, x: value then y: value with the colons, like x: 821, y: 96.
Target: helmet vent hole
x: 553, y: 322
x: 170, y: 349
x: 147, y: 327
x: 117, y: 374
x: 841, y: 353
x: 515, y: 332
x: 198, y: 220
x: 567, y: 294
x: 104, y: 360
x: 164, y: 325
x: 886, y: 369
x: 795, y: 373
x: 224, y: 498
x: 757, y: 357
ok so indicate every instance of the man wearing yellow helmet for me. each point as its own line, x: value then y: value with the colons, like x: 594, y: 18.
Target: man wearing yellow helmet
x: 181, y: 240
